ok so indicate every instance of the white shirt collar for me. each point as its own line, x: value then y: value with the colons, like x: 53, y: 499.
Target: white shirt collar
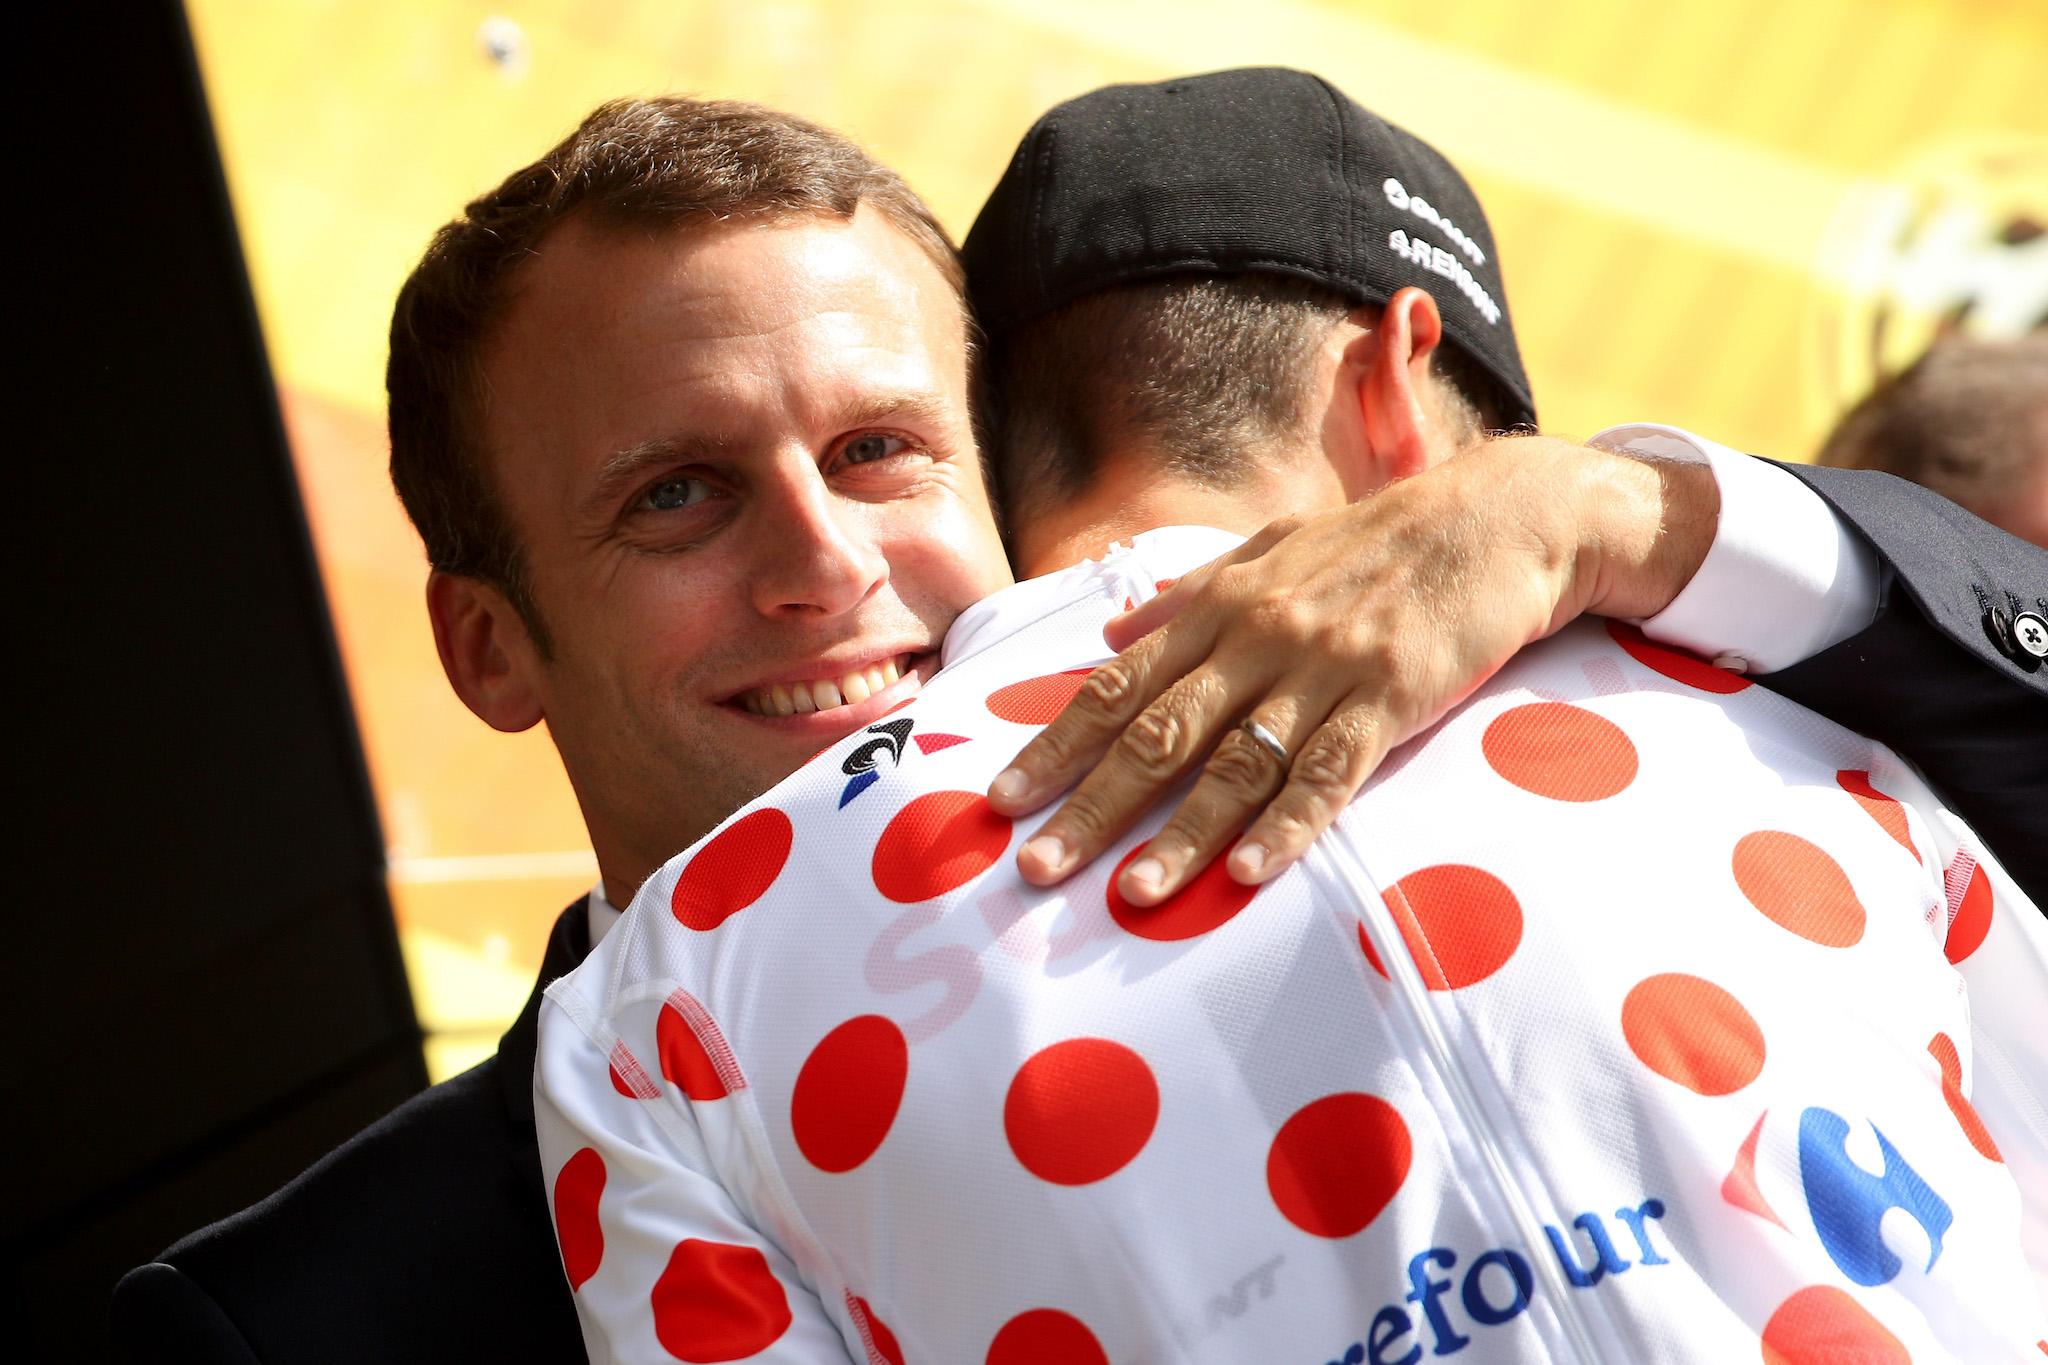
x: 1174, y: 549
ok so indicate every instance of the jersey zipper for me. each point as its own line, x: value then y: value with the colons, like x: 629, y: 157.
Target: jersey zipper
x: 1503, y: 1188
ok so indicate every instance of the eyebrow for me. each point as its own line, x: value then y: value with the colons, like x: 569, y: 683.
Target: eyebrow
x: 621, y: 469
x: 626, y: 466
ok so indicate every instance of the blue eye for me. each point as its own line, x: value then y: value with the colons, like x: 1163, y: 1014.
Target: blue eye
x: 872, y: 446
x: 670, y: 494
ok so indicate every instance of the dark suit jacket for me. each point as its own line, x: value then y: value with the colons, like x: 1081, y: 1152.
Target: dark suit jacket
x: 1929, y: 677
x: 424, y: 1238
x: 427, y: 1236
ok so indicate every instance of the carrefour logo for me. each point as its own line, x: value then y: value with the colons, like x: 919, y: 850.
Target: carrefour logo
x: 1493, y: 1287
x: 1847, y: 1202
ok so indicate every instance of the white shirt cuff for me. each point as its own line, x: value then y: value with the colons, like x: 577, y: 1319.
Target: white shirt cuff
x: 1785, y: 577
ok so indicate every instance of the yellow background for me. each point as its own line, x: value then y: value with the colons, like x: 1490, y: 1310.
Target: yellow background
x: 1660, y: 176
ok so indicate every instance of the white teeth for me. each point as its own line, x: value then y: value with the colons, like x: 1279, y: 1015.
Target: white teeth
x: 800, y: 698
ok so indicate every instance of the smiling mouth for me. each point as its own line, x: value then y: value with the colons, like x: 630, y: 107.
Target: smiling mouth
x: 825, y: 694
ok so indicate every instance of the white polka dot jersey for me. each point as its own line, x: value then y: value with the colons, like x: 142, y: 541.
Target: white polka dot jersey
x: 1631, y: 1014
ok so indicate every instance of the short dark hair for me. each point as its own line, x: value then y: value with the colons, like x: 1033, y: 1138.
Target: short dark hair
x: 1969, y: 419
x: 1198, y: 367
x: 671, y: 161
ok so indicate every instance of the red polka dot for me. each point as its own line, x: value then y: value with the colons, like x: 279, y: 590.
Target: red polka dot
x: 1078, y: 1111
x: 627, y: 1075
x: 1203, y: 904
x: 1796, y: 884
x: 1889, y: 814
x: 734, y: 870
x: 1337, y: 1162
x: 848, y: 1091
x: 718, y: 1301
x: 683, y: 1058
x: 1972, y: 919
x: 1566, y: 753
x: 578, y: 1187
x: 1822, y: 1325
x: 938, y: 842
x: 1688, y: 1030
x: 1461, y: 925
x: 1037, y: 700
x: 1672, y: 664
x: 1943, y: 1049
x: 1046, y: 1336
x: 878, y: 1332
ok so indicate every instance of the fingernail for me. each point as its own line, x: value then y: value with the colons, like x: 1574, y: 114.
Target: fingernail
x: 1146, y: 875
x: 1047, y: 851
x: 1247, y: 861
x: 1010, y: 785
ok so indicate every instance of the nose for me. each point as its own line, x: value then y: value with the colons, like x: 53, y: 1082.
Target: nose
x: 813, y: 555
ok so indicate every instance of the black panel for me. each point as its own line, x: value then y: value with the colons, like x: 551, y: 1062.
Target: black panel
x: 205, y: 990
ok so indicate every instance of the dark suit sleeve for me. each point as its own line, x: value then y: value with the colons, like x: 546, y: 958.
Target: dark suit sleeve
x: 424, y: 1239
x: 163, y: 1317
x: 1927, y: 676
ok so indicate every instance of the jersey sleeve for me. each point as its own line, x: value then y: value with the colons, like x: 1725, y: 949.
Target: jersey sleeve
x: 663, y: 1262
x: 1998, y: 942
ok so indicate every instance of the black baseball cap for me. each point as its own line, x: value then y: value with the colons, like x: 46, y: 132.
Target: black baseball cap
x: 1257, y: 169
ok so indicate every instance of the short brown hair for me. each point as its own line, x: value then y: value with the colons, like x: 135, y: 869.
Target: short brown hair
x: 671, y: 161
x: 1199, y: 367
x: 1969, y: 420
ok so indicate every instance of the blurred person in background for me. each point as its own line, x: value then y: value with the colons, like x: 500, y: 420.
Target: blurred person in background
x: 427, y: 1236
x: 1969, y: 420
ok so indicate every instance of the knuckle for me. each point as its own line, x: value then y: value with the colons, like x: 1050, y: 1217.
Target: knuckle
x: 1240, y: 765
x: 1235, y: 583
x: 1154, y: 742
x: 1279, y: 529
x: 1286, y: 824
x: 1082, y: 822
x: 1108, y: 688
x: 1323, y: 771
x: 1177, y: 840
x: 1287, y: 622
x: 1054, y: 749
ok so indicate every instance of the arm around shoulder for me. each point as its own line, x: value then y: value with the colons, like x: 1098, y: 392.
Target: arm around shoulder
x: 1939, y: 674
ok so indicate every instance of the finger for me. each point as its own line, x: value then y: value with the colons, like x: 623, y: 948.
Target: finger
x: 1327, y: 772
x: 1107, y: 703
x: 1161, y: 745
x: 1241, y: 776
x: 1176, y: 593
x: 1127, y: 628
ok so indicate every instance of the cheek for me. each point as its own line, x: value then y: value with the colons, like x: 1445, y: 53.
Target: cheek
x: 953, y: 558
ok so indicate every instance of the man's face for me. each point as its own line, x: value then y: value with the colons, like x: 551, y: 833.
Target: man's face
x: 739, y: 463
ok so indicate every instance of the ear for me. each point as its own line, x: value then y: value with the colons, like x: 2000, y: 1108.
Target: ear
x: 486, y: 651
x: 1399, y: 422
